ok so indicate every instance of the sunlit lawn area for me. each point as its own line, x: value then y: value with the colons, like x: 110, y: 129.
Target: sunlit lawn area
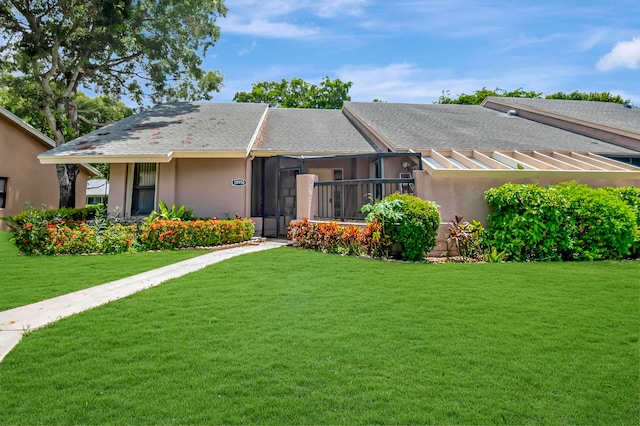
x: 28, y: 279
x: 293, y: 337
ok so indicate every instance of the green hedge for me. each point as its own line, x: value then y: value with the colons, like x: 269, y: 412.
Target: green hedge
x: 37, y: 234
x: 174, y: 233
x: 562, y: 222
x: 29, y: 215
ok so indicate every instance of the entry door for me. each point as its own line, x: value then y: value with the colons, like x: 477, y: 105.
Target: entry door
x: 287, y: 199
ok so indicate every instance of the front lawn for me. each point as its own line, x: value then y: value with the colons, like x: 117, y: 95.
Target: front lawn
x: 28, y: 279
x: 287, y: 336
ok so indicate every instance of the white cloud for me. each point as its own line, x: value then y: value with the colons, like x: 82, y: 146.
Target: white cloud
x: 625, y: 54
x: 590, y: 40
x: 248, y: 50
x: 408, y: 82
x: 263, y: 28
x: 334, y: 8
x: 401, y: 82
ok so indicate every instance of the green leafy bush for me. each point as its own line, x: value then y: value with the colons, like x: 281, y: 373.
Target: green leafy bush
x: 565, y: 221
x: 30, y: 215
x: 173, y: 213
x: 528, y: 222
x: 630, y: 195
x: 604, y: 226
x: 407, y: 220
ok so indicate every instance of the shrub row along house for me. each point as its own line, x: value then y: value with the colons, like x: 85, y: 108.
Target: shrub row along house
x: 276, y: 165
x: 23, y: 180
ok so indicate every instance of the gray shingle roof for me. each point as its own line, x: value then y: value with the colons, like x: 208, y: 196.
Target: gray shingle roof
x: 606, y: 113
x: 299, y: 131
x: 418, y: 126
x: 172, y: 128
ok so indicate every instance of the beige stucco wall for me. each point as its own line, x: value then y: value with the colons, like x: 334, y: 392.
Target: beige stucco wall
x: 307, y: 197
x: 202, y: 184
x: 117, y: 189
x: 205, y: 184
x: 28, y: 180
x: 464, y: 196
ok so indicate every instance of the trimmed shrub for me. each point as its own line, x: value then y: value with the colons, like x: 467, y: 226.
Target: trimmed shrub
x: 36, y: 235
x: 175, y: 233
x: 630, y: 195
x: 329, y: 237
x: 604, y: 226
x: 407, y: 220
x: 566, y: 221
x: 31, y: 215
x: 528, y: 222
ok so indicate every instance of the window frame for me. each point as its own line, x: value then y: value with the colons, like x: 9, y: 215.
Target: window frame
x: 3, y: 192
x: 132, y: 187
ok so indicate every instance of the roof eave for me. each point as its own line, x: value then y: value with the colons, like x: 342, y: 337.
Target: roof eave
x: 68, y: 159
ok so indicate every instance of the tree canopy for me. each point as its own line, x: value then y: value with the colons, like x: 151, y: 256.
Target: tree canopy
x: 93, y: 113
x: 297, y: 93
x: 478, y: 96
x: 591, y: 96
x: 146, y: 49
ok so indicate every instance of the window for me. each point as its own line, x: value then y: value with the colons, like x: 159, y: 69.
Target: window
x: 3, y: 192
x: 144, y: 189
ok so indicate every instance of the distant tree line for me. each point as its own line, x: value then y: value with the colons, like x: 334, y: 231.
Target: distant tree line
x: 478, y: 96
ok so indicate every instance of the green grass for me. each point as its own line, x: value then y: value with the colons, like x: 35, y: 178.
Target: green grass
x: 28, y: 279
x: 293, y: 337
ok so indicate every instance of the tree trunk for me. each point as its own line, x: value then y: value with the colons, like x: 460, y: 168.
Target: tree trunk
x: 67, y: 174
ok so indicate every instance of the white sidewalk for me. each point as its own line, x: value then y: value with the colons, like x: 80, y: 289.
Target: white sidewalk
x: 15, y: 322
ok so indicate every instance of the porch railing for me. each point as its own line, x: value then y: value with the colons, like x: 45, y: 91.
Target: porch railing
x: 342, y: 199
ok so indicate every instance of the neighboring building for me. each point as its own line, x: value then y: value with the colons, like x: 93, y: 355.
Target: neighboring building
x: 23, y: 179
x: 97, y: 191
x: 245, y: 159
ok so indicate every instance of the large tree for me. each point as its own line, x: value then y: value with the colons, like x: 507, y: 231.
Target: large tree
x: 478, y: 96
x: 93, y: 113
x: 146, y: 49
x: 297, y: 93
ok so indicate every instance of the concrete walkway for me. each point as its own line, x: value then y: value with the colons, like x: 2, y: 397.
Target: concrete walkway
x: 15, y: 322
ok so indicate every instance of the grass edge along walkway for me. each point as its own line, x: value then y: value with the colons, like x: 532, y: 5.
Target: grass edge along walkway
x: 30, y: 279
x: 15, y: 322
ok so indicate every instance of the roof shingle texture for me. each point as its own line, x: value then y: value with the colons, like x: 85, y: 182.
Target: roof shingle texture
x: 605, y: 113
x: 173, y: 127
x: 316, y: 131
x: 418, y: 126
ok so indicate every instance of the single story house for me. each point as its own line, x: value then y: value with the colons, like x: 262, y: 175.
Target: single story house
x: 23, y: 179
x: 275, y: 165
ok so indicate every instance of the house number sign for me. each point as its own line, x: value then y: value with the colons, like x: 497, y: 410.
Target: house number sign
x: 239, y: 182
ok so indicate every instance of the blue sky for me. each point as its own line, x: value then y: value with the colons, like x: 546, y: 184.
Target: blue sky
x: 412, y: 50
